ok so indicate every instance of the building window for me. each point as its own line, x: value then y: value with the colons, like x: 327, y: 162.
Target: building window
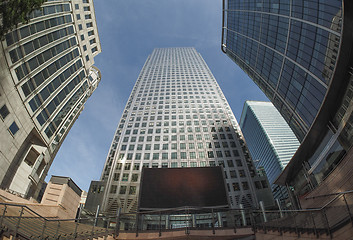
x: 136, y: 166
x: 80, y: 27
x: 84, y: 48
x: 125, y: 177
x: 134, y: 177
x: 77, y: 6
x: 4, y: 111
x: 122, y: 190
x: 137, y: 157
x: 116, y: 176
x: 127, y: 166
x: 245, y: 185
x: 31, y: 157
x: 113, y: 189
x: 132, y: 190
x: 193, y: 164
x: 236, y: 187
x: 13, y: 128
x: 78, y: 16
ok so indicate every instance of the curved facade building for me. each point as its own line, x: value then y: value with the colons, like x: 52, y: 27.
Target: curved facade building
x: 299, y: 54
x: 47, y: 75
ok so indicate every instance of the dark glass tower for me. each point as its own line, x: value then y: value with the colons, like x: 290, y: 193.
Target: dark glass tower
x: 299, y: 52
x: 289, y: 48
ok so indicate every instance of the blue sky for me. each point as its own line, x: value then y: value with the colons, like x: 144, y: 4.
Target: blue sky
x: 129, y: 31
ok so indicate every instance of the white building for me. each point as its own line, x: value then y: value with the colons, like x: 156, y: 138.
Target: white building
x: 46, y: 75
x: 270, y: 140
x: 176, y: 116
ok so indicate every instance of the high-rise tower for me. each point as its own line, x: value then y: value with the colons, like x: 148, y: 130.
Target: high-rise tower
x: 300, y: 54
x: 270, y: 140
x: 46, y: 76
x: 176, y: 116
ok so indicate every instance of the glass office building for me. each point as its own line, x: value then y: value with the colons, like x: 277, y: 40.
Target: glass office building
x: 270, y: 140
x: 289, y: 48
x: 300, y: 54
x: 176, y: 116
x: 47, y: 75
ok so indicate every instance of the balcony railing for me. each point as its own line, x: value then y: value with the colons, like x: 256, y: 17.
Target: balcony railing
x: 21, y: 221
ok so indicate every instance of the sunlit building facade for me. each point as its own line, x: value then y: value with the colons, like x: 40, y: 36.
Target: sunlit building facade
x: 47, y: 75
x: 300, y: 55
x: 270, y: 140
x: 176, y: 116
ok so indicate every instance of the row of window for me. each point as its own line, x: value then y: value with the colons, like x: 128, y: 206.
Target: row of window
x: 181, y: 130
x: 29, y: 86
x: 228, y: 163
x: 59, y: 98
x: 176, y: 155
x: 38, y: 99
x: 50, y: 130
x: 37, y: 43
x: 174, y: 146
x: 31, y: 29
x: 4, y: 112
x: 45, y: 56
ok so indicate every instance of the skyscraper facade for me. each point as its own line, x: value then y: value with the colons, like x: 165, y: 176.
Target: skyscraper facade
x: 288, y: 48
x: 270, y: 140
x: 47, y: 75
x: 176, y: 116
x: 300, y: 54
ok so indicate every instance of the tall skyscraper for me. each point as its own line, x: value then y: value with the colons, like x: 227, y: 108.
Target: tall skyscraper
x: 300, y: 54
x: 47, y: 75
x: 270, y: 140
x: 176, y: 116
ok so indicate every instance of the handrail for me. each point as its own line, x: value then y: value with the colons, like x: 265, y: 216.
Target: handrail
x: 338, y: 195
x: 180, y: 209
x: 51, y: 218
x: 330, y: 194
x: 24, y: 206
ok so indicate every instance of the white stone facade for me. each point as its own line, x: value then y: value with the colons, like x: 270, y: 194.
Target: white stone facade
x: 47, y: 74
x: 176, y: 116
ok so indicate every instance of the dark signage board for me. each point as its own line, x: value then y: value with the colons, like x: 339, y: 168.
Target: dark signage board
x: 163, y: 188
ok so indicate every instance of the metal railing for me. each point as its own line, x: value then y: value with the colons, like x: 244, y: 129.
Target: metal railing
x: 185, y: 219
x: 325, y: 220
x: 21, y: 221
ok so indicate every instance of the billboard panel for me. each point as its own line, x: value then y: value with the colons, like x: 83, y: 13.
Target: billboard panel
x: 178, y: 187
